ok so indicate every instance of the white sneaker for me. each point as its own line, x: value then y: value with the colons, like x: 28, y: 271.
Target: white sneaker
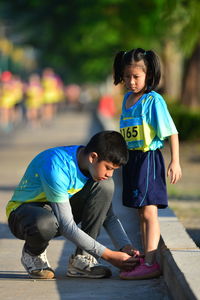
x: 37, y: 266
x: 86, y: 266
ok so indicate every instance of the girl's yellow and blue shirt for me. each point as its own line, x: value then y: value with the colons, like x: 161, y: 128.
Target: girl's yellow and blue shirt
x: 147, y: 123
x: 53, y: 175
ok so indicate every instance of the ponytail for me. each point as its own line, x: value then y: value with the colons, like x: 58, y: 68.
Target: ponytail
x: 118, y: 67
x: 153, y: 70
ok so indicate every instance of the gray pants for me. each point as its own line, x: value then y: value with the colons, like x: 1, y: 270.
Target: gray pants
x: 37, y: 224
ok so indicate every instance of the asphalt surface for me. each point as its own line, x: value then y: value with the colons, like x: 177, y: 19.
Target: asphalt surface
x: 16, y: 151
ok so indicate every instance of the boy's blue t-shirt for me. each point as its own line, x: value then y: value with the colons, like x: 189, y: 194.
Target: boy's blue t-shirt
x: 147, y: 123
x: 53, y: 175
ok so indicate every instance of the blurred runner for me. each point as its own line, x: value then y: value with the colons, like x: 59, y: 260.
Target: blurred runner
x: 18, y: 90
x: 7, y: 101
x: 53, y: 94
x: 72, y: 94
x: 34, y: 98
x: 106, y: 111
x: 11, y: 95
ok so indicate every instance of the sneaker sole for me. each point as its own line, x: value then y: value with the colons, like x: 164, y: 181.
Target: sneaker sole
x: 80, y: 274
x: 83, y: 275
x: 44, y: 274
x: 139, y: 277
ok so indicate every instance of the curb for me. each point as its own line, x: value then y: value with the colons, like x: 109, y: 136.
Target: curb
x: 177, y: 253
x: 179, y: 258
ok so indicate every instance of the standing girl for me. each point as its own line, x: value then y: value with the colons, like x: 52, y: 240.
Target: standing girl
x: 145, y: 122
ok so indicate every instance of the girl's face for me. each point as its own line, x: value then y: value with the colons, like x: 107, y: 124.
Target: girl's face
x: 135, y: 77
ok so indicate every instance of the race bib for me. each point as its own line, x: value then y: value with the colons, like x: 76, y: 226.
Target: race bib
x: 132, y: 133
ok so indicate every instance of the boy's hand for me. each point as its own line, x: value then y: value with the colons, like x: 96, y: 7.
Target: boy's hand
x: 129, y: 249
x: 121, y: 260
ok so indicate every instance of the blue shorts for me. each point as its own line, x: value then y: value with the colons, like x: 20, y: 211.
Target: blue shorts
x: 144, y: 180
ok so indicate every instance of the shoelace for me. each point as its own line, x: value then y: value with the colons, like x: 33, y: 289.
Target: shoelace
x: 40, y: 261
x: 91, y: 259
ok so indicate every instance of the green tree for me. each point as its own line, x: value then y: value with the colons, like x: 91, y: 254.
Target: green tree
x: 190, y: 39
x: 181, y: 51
x: 79, y: 38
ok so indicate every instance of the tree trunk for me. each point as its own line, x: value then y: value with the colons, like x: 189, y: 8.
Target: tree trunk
x: 172, y: 71
x: 191, y: 81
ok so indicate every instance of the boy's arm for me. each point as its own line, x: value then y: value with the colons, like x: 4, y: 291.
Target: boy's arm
x: 174, y: 169
x: 71, y: 231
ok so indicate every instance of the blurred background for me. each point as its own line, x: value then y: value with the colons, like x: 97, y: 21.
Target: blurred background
x: 58, y: 54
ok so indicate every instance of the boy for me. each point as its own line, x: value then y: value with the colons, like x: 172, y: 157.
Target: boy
x: 65, y: 186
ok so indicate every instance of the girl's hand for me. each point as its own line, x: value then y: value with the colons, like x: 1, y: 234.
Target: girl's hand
x: 174, y: 169
x: 119, y: 259
x: 174, y: 172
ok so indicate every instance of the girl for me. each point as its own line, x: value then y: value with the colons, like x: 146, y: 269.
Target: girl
x: 145, y: 122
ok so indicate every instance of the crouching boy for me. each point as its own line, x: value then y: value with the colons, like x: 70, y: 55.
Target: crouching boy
x: 65, y: 186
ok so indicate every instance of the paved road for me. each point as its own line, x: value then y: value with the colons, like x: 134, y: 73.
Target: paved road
x: 16, y: 151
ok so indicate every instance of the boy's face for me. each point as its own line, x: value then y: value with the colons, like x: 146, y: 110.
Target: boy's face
x: 100, y: 170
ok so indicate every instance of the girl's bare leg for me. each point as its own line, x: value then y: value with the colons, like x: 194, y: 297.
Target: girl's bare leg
x: 142, y: 228
x: 150, y: 231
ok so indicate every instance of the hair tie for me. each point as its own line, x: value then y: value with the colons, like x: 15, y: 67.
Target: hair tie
x: 145, y: 53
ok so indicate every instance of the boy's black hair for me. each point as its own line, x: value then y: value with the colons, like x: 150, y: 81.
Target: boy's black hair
x: 110, y: 146
x: 151, y: 61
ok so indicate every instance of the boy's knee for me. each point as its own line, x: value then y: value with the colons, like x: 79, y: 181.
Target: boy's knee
x: 44, y: 226
x: 107, y: 185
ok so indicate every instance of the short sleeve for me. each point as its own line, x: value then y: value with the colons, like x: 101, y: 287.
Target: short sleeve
x: 162, y: 120
x: 55, y: 181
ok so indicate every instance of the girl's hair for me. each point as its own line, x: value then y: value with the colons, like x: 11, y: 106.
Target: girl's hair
x: 110, y: 146
x: 151, y: 61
